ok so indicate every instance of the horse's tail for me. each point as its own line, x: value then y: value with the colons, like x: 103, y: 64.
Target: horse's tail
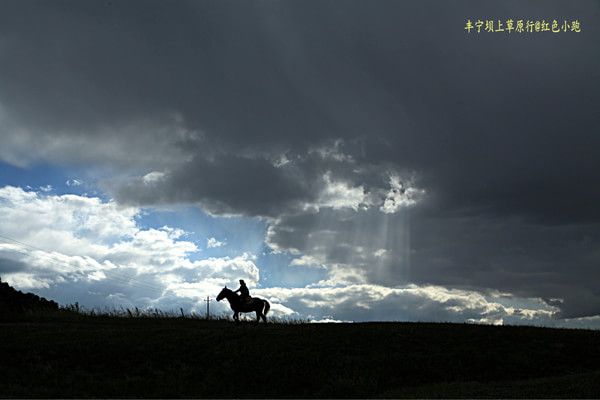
x: 267, y: 307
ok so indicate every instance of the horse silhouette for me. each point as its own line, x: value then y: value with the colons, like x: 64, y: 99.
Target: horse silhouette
x: 259, y: 306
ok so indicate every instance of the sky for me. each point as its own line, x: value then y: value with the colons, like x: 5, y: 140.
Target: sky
x: 350, y: 160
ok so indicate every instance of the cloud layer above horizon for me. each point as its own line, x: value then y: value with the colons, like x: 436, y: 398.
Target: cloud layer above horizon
x: 418, y: 168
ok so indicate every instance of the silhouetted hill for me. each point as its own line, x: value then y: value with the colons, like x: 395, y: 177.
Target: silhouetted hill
x: 106, y: 357
x: 14, y: 302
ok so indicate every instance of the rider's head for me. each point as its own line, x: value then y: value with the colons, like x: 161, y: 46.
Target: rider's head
x: 242, y: 282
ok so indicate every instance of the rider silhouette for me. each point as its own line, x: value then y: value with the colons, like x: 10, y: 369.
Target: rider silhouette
x: 244, y: 292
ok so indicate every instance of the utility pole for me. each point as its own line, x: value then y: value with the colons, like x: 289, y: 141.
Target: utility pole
x: 208, y: 300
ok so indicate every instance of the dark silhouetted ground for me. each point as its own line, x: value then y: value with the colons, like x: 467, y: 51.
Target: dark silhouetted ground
x: 47, y: 351
x: 70, y: 355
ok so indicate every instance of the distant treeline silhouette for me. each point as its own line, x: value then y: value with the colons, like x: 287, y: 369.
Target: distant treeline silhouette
x: 14, y: 302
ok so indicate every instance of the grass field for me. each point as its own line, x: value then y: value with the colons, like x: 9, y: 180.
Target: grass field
x: 176, y: 357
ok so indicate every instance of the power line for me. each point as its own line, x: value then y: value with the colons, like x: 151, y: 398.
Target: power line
x: 124, y: 279
x: 208, y: 300
x: 115, y: 276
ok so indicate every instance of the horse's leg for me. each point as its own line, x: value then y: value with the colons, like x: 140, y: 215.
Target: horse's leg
x: 236, y: 316
x: 262, y: 311
x: 257, y: 316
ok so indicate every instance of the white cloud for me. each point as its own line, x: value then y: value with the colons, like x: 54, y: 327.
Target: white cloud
x: 409, y: 302
x: 153, y: 177
x: 213, y: 243
x: 332, y: 151
x: 73, y: 182
x: 340, y: 274
x: 280, y: 161
x: 380, y: 253
x: 400, y: 195
x: 327, y: 320
x: 279, y: 310
x: 307, y: 261
x: 28, y: 281
x: 70, y: 242
x: 66, y: 223
x: 339, y: 194
x: 96, y: 276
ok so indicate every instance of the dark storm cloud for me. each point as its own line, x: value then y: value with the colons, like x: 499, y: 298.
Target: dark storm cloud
x: 472, y: 252
x: 491, y: 121
x: 225, y: 185
x: 501, y: 131
x: 512, y: 255
x: 8, y: 265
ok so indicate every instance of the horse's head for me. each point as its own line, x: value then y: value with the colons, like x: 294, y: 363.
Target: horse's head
x: 223, y: 293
